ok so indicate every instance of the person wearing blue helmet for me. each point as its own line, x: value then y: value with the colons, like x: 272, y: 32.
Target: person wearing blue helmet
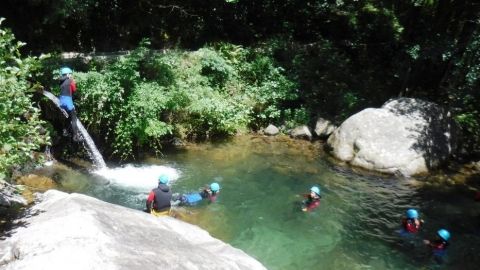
x: 312, y: 200
x: 439, y: 244
x: 209, y: 193
x: 411, y: 222
x: 158, y: 201
x: 67, y: 88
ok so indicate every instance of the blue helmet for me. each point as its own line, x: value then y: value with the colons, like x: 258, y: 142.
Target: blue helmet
x: 444, y: 234
x: 214, y: 187
x: 412, y: 213
x: 163, y: 179
x: 316, y: 190
x: 65, y: 70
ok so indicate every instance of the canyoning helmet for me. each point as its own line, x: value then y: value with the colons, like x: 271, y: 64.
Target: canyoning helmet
x: 214, y: 187
x: 163, y: 179
x: 444, y: 234
x: 65, y: 70
x: 316, y: 190
x: 412, y: 213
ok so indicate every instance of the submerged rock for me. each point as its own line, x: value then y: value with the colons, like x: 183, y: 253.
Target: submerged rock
x: 36, y: 181
x: 406, y: 136
x: 73, y: 231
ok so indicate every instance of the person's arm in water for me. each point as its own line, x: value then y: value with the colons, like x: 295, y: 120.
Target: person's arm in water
x: 419, y: 222
x: 310, y: 206
x: 207, y: 193
x: 213, y: 197
x: 310, y: 203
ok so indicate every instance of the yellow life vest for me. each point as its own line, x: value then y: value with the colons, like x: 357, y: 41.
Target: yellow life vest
x: 160, y: 213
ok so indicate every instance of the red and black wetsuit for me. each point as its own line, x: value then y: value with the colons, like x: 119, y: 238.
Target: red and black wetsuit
x: 438, y: 246
x: 67, y: 86
x: 410, y: 226
x: 311, y: 203
x: 212, y: 196
x: 159, y: 198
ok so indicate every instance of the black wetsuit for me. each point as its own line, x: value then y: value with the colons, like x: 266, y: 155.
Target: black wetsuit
x: 159, y: 198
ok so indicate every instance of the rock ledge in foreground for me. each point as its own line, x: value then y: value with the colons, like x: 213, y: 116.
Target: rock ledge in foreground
x: 73, y: 231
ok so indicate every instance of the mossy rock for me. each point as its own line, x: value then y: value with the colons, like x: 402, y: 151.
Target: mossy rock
x: 34, y: 181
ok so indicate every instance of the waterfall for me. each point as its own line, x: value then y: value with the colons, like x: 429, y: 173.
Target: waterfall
x: 91, y: 147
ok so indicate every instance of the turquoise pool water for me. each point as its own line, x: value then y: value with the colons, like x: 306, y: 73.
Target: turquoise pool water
x: 258, y: 209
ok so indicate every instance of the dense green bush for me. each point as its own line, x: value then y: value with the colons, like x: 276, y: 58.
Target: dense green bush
x: 141, y: 124
x: 99, y: 98
x: 142, y: 99
x: 21, y: 130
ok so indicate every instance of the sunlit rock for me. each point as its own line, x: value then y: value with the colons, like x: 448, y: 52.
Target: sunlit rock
x: 323, y: 128
x: 406, y: 136
x: 301, y: 132
x: 271, y: 130
x: 10, y: 195
x: 73, y: 231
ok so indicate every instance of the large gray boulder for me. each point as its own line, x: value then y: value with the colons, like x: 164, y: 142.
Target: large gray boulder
x: 79, y: 232
x: 406, y: 136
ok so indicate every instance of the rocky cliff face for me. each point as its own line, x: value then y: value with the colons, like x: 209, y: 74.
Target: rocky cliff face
x: 73, y: 231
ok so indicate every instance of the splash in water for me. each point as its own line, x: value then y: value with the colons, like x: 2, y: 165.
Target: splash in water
x: 141, y: 178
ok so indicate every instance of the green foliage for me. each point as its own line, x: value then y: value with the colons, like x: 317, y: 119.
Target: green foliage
x: 98, y: 98
x: 214, y: 67
x: 267, y: 87
x: 141, y: 119
x: 158, y: 70
x: 339, y: 56
x: 464, y: 96
x: 296, y: 117
x: 20, y: 127
x: 142, y: 99
x: 469, y: 121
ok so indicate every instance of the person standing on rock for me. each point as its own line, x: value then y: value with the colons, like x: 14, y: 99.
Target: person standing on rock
x: 67, y: 88
x: 158, y: 201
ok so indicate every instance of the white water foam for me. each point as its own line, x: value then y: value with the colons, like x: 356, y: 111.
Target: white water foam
x: 142, y: 178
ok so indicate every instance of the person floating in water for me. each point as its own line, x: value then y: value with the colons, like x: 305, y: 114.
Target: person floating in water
x: 312, y: 200
x: 67, y: 88
x: 209, y: 193
x: 411, y: 222
x: 158, y: 201
x: 439, y: 244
